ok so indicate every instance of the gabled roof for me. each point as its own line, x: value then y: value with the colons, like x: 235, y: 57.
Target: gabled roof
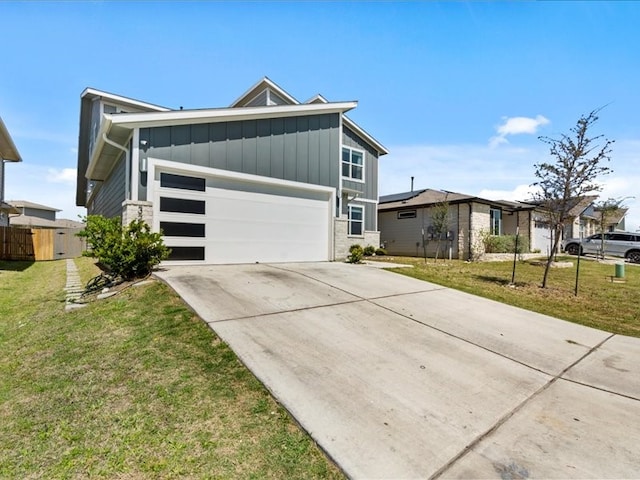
x: 579, y: 205
x: 35, y: 206
x: 263, y: 84
x: 8, y: 150
x: 267, y: 84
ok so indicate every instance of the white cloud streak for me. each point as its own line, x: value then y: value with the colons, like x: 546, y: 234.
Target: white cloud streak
x: 516, y: 126
x: 64, y: 175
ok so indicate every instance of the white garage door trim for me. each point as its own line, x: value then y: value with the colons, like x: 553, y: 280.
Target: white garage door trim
x: 261, y: 219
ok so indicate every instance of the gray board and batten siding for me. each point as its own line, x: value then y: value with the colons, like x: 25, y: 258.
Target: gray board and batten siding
x: 301, y: 149
x: 109, y: 195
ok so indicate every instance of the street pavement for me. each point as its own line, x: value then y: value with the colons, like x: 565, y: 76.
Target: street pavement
x: 398, y: 378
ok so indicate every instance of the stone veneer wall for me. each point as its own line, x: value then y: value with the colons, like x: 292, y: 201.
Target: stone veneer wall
x: 342, y: 241
x: 137, y: 210
x: 480, y: 220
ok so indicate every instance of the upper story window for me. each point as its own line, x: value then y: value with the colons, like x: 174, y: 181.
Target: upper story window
x: 353, y: 164
x: 495, y: 226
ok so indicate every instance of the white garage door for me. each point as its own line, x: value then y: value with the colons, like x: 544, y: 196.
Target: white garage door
x: 217, y: 217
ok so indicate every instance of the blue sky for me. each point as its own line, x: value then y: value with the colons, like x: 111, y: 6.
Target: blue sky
x: 458, y: 92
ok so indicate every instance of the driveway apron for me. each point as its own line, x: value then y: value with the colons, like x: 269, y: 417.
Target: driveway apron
x: 399, y: 378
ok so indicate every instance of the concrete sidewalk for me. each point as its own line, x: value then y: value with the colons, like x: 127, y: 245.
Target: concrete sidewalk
x: 399, y: 378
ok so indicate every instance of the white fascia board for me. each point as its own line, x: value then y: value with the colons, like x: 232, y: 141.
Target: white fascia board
x: 92, y: 92
x: 368, y: 138
x: 186, y: 117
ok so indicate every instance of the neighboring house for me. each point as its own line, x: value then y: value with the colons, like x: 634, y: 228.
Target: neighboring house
x: 268, y: 179
x: 586, y: 219
x: 8, y: 153
x: 404, y: 219
x: 34, y: 215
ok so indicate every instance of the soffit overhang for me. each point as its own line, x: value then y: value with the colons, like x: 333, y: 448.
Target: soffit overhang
x: 8, y: 150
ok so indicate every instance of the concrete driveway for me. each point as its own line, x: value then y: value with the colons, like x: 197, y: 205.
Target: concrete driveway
x: 399, y: 378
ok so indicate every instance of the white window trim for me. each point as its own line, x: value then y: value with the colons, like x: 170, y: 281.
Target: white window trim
x: 352, y: 149
x: 349, y: 207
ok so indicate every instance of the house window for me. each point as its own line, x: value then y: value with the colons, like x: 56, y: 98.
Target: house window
x: 407, y: 214
x: 495, y: 227
x: 352, y: 164
x: 356, y: 217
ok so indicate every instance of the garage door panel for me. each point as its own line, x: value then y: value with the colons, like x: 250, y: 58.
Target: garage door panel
x: 272, y: 223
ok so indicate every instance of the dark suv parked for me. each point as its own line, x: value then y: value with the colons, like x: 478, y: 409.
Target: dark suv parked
x: 616, y: 244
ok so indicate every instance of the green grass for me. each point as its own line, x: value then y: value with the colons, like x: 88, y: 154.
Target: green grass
x: 135, y: 386
x: 614, y: 307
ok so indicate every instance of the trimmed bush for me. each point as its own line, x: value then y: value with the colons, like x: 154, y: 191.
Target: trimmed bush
x: 381, y: 251
x: 127, y: 252
x: 355, y: 254
x: 505, y: 244
x: 369, y: 250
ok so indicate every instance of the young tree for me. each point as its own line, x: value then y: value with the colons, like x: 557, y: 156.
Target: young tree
x: 608, y: 209
x: 440, y: 222
x: 578, y: 162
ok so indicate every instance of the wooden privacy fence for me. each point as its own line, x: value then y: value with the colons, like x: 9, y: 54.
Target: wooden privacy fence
x: 40, y: 243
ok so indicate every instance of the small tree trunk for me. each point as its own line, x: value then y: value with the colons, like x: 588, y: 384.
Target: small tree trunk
x: 552, y: 254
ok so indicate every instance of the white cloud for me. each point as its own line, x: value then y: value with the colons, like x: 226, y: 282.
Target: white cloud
x: 64, y: 175
x: 519, y: 193
x: 516, y: 126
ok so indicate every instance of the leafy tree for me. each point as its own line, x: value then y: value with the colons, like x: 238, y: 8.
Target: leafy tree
x: 608, y: 210
x: 577, y: 164
x: 127, y: 252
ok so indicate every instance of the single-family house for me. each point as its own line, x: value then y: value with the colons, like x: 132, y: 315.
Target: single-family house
x: 406, y: 223
x: 267, y: 179
x: 34, y: 215
x: 8, y: 153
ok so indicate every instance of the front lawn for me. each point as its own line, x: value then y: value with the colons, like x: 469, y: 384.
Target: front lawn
x: 135, y: 386
x: 614, y: 307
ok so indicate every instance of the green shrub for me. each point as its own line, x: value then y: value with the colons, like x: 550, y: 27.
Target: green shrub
x: 355, y: 254
x: 381, y: 251
x: 504, y: 244
x: 369, y: 250
x: 127, y: 252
